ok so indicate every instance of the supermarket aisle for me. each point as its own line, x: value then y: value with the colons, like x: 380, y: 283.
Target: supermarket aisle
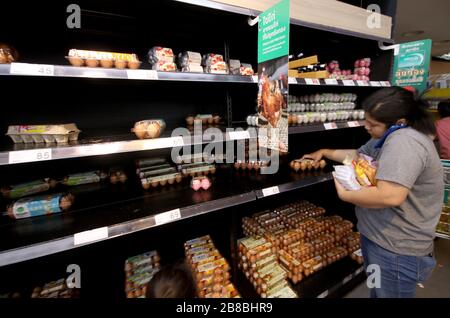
x: 439, y: 284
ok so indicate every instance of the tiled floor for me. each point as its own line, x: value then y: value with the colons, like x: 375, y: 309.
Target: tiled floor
x: 438, y: 286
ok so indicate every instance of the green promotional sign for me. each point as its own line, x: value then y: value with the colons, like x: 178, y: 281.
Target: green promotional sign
x: 411, y: 65
x: 273, y: 32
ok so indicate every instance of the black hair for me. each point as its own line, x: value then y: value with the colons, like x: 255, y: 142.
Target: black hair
x: 388, y: 105
x: 444, y: 108
x: 172, y: 281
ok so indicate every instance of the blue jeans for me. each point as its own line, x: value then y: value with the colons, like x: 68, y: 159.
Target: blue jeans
x: 400, y: 274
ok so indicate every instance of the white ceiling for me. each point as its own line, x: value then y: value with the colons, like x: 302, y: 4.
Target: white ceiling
x: 430, y: 16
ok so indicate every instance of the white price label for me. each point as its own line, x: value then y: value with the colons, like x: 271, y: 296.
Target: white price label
x: 362, y: 83
x: 312, y: 81
x: 255, y: 78
x: 347, y: 279
x: 375, y: 84
x: 270, y: 191
x: 323, y: 295
x: 385, y: 84
x: 348, y: 83
x: 353, y: 124
x: 329, y: 126
x: 167, y: 217
x: 331, y: 81
x: 90, y: 236
x: 292, y: 80
x: 178, y: 141
x: 30, y: 155
x: 238, y: 135
x: 32, y: 69
x: 142, y: 74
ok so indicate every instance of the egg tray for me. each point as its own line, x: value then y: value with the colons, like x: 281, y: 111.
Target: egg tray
x: 203, y: 119
x: 194, y: 169
x: 306, y: 164
x: 162, y: 180
x: 250, y: 165
x: 129, y: 61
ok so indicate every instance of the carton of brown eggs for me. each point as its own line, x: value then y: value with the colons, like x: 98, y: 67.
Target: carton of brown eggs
x: 307, y: 164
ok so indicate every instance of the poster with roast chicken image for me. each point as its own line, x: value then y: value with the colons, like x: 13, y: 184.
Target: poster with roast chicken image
x: 272, y: 104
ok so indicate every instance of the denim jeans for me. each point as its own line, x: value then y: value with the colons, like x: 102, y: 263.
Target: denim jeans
x: 400, y: 274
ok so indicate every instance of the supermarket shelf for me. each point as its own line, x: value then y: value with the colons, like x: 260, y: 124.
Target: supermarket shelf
x: 254, y: 13
x: 327, y: 282
x: 95, y: 218
x: 442, y: 235
x: 25, y: 69
x: 24, y: 153
x: 300, y: 129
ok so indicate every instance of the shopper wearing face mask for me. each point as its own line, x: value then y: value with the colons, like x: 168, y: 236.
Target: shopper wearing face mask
x: 398, y: 216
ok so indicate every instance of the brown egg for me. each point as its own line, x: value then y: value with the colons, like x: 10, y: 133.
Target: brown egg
x: 155, y: 184
x: 140, y: 130
x: 211, y: 120
x: 216, y: 119
x: 76, y: 61
x: 146, y: 186
x: 308, y: 165
x: 189, y: 120
x: 113, y: 178
x: 322, y: 164
x: 92, y: 62
x: 120, y: 64
x: 297, y: 166
x: 171, y: 181
x: 106, y: 63
x: 213, y: 170
x: 178, y: 178
x: 123, y: 177
x: 303, y: 165
x: 134, y: 65
x: 153, y: 129
x: 315, y: 165
x: 163, y: 182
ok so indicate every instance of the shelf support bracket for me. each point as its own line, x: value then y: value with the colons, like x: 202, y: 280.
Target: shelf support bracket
x: 252, y: 22
x: 395, y: 47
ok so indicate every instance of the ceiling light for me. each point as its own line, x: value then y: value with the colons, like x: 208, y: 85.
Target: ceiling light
x: 412, y: 33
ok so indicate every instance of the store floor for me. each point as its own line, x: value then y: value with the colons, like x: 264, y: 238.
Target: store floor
x: 438, y: 286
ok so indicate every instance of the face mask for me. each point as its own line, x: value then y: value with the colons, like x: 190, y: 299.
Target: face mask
x: 391, y: 129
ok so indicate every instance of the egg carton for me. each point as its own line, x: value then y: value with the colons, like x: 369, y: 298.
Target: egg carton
x: 43, y: 133
x: 323, y: 98
x: 328, y: 106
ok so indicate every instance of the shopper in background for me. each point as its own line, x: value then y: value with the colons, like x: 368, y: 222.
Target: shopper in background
x: 397, y: 218
x: 172, y: 281
x: 443, y: 129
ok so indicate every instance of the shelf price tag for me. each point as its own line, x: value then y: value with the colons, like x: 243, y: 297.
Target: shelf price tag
x: 32, y: 69
x: 167, y: 217
x: 375, y: 84
x: 362, y: 83
x: 348, y: 83
x: 385, y: 84
x: 238, y: 135
x: 142, y: 74
x: 292, y: 80
x: 353, y: 124
x: 90, y: 236
x: 270, y: 191
x: 255, y: 78
x: 312, y: 81
x: 331, y: 81
x: 329, y: 126
x: 30, y: 155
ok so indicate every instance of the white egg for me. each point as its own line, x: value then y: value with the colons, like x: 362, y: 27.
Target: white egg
x: 361, y: 114
x: 249, y: 122
x: 302, y: 107
x: 299, y: 119
x: 323, y: 117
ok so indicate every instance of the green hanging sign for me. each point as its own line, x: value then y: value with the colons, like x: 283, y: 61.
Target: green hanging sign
x: 273, y: 32
x: 411, y: 65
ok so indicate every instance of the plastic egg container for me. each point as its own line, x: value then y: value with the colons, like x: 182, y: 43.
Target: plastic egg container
x: 320, y: 107
x: 326, y: 97
x: 322, y: 117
